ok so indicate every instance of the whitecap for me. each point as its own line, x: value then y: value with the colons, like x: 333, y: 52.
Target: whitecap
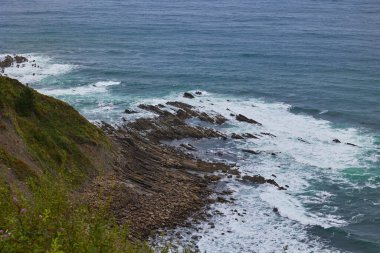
x: 45, y: 67
x: 98, y: 87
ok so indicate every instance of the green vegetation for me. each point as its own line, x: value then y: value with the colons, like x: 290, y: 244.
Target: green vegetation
x: 53, y: 131
x: 40, y: 209
x: 49, y: 222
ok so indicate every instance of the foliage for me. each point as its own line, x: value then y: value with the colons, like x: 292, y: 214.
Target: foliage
x: 52, y: 130
x: 24, y: 104
x: 41, y: 212
x: 48, y: 221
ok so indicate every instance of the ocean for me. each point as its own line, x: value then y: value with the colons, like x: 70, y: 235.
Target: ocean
x: 307, y: 70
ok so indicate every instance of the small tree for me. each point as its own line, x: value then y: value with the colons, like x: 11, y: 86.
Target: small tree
x: 25, y: 102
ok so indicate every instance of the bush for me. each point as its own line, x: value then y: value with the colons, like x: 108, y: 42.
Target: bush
x: 48, y: 221
x: 25, y: 104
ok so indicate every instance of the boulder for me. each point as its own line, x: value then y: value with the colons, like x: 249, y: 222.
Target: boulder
x: 127, y: 111
x: 188, y: 95
x: 236, y: 136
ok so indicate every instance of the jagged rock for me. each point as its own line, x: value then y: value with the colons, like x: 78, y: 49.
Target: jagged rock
x: 236, y: 136
x: 243, y: 118
x: 269, y: 134
x: 248, y: 135
x: 155, y: 109
x: 198, y: 92
x: 186, y: 111
x: 188, y: 146
x: 261, y: 180
x: 20, y: 59
x: 181, y: 105
x: 127, y: 111
x: 254, y: 179
x: 188, y: 95
x: 7, y: 62
x: 336, y: 141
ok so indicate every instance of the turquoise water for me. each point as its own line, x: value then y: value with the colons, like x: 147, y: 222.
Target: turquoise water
x: 310, y: 65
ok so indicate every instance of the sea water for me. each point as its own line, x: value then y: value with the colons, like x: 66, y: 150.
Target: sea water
x: 306, y: 70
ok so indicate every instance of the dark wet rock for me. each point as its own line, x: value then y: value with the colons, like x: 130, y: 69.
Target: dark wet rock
x: 243, y: 118
x: 187, y: 111
x: 188, y: 146
x: 254, y: 179
x: 275, y: 209
x: 287, y: 186
x: 336, y: 141
x: 20, y: 59
x: 268, y: 134
x: 237, y: 136
x: 350, y: 144
x: 7, y: 62
x: 257, y: 179
x: 271, y: 181
x: 232, y: 115
x: 198, y: 93
x: 154, y: 109
x: 127, y: 111
x: 250, y: 151
x: 181, y: 105
x: 248, y: 135
x: 188, y: 95
x: 273, y: 175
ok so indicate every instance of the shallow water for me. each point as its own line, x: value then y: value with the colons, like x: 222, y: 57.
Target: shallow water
x: 304, y: 69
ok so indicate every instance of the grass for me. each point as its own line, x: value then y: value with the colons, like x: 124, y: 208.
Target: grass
x: 41, y: 213
x: 52, y: 130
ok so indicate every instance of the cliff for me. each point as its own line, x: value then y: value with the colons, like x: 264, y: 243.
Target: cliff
x: 69, y: 186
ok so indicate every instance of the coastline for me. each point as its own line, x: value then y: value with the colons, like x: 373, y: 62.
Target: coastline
x: 160, y: 178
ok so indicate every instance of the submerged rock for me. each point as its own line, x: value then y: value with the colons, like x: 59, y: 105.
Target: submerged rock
x: 188, y: 146
x: 251, y: 151
x: 268, y: 134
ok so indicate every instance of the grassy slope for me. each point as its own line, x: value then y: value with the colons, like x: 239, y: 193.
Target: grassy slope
x: 53, y: 132
x: 47, y: 149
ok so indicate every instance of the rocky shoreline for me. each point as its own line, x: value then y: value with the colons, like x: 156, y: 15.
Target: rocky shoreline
x: 156, y: 186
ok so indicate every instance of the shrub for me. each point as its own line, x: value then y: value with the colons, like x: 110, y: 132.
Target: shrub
x: 25, y: 104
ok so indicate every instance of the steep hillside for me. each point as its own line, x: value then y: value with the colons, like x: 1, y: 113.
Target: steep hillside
x: 42, y: 135
x: 48, y: 152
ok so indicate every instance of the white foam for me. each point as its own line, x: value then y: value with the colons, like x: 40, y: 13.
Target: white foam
x: 98, y: 87
x: 46, y: 66
x: 297, y: 164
